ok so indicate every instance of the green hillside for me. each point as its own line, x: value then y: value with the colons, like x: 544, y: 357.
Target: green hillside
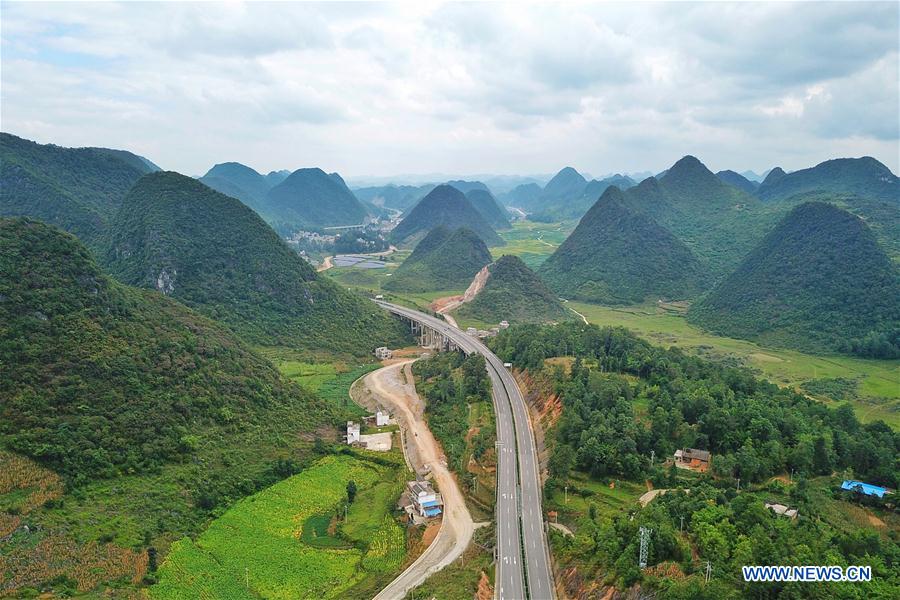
x: 522, y: 195
x: 738, y: 181
x: 865, y: 177
x: 213, y: 253
x: 514, y: 293
x: 620, y: 256
x: 485, y: 203
x: 239, y: 181
x: 817, y: 282
x: 144, y: 165
x: 100, y: 379
x: 574, y: 207
x: 312, y: 199
x: 443, y: 260
x: 76, y: 189
x: 444, y: 205
x: 719, y: 223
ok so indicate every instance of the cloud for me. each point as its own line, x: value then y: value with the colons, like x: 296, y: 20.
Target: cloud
x: 470, y: 87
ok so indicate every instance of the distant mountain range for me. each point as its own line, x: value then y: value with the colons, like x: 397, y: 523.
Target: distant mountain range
x: 444, y: 205
x: 514, y: 293
x: 618, y: 255
x: 864, y: 177
x: 215, y: 254
x: 818, y: 282
x: 739, y: 181
x: 443, y: 260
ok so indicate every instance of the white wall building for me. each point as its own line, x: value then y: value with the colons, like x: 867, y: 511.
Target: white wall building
x: 352, y: 432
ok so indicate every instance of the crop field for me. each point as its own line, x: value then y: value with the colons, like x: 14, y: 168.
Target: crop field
x: 878, y: 394
x: 533, y: 242
x: 256, y: 548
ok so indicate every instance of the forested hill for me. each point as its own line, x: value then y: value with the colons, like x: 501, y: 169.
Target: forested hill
x: 241, y: 182
x: 100, y: 379
x: 719, y: 223
x: 514, y: 293
x: 443, y: 260
x: 575, y: 206
x: 617, y: 255
x: 737, y: 180
x: 864, y: 177
x: 485, y: 203
x: 76, y: 189
x: 817, y: 282
x: 444, y: 205
x: 312, y: 199
x: 212, y: 252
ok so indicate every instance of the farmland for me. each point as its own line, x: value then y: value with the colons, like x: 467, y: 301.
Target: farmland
x: 256, y: 548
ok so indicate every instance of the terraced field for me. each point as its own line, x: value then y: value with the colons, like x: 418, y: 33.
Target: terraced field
x: 256, y: 548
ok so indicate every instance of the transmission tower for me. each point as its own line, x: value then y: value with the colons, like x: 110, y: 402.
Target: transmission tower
x: 645, y: 538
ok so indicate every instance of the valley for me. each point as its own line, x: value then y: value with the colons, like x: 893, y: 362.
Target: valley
x: 453, y: 301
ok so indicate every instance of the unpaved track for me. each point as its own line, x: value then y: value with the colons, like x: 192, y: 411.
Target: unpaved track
x: 388, y: 388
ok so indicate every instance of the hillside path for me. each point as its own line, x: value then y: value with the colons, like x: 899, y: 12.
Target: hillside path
x: 393, y: 388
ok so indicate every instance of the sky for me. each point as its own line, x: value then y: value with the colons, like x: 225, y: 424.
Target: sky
x: 382, y: 89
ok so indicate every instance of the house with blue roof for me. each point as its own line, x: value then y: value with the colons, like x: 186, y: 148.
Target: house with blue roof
x: 426, y: 501
x: 867, y: 489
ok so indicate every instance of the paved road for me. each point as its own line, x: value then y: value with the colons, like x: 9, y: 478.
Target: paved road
x: 516, y: 464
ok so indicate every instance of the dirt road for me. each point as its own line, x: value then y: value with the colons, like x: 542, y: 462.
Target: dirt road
x: 392, y: 388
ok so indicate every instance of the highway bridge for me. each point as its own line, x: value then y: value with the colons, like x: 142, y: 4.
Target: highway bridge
x: 523, y: 559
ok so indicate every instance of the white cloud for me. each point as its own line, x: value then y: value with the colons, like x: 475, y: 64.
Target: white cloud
x: 385, y: 88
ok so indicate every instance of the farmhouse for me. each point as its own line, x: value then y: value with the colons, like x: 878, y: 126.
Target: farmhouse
x: 352, y: 432
x: 426, y: 502
x: 691, y: 458
x: 383, y: 353
x: 784, y: 511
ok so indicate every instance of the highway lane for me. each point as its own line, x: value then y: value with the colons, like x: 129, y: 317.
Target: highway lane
x: 518, y: 482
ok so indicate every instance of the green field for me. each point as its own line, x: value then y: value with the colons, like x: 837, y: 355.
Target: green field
x: 878, y: 395
x: 533, y: 242
x: 256, y: 548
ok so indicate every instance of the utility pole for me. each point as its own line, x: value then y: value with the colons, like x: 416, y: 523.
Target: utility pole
x: 567, y: 494
x: 645, y: 538
x: 681, y: 527
x: 652, y: 456
x: 792, y: 476
x: 708, y: 571
x: 739, y: 483
x: 247, y: 577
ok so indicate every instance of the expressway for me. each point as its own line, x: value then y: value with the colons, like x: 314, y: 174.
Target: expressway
x: 522, y: 559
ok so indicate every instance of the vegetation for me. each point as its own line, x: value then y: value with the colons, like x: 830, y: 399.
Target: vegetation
x: 738, y: 181
x: 623, y: 398
x: 76, y: 189
x: 619, y: 256
x: 578, y: 204
x: 238, y: 181
x: 156, y: 417
x: 533, y: 242
x: 449, y: 382
x: 485, y: 203
x: 800, y: 288
x: 397, y: 197
x: 515, y: 294
x: 311, y: 199
x: 755, y: 429
x: 865, y: 177
x: 258, y: 548
x: 444, y: 205
x: 879, y: 380
x: 218, y: 256
x: 444, y: 259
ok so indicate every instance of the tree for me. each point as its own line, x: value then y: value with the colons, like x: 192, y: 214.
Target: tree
x: 351, y: 491
x: 561, y: 461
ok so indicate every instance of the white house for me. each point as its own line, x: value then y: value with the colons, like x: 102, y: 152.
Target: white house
x: 427, y: 502
x: 352, y: 432
x: 381, y: 419
x: 383, y: 353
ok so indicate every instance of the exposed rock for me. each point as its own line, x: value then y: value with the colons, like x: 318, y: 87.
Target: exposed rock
x: 165, y: 282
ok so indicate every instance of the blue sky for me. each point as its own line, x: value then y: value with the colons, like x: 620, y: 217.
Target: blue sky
x: 376, y: 89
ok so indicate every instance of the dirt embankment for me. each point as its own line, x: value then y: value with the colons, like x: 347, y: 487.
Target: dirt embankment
x: 449, y: 303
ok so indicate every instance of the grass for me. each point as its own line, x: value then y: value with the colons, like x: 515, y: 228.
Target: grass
x: 256, y: 549
x: 460, y: 579
x: 878, y: 380
x: 584, y: 492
